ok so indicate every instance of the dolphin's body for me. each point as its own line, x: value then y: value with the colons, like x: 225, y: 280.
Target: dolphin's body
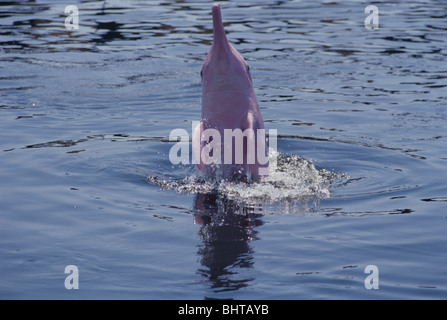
x: 229, y: 102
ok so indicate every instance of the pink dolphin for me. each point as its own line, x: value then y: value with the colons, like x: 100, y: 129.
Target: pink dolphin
x: 229, y: 106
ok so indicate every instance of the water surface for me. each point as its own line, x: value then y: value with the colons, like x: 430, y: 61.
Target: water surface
x: 86, y: 116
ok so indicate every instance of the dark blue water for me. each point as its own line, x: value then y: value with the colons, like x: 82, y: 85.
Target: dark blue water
x: 86, y: 116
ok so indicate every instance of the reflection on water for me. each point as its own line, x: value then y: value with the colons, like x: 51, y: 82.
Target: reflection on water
x: 226, y: 232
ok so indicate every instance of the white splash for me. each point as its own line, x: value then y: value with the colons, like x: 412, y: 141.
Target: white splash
x: 292, y: 180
